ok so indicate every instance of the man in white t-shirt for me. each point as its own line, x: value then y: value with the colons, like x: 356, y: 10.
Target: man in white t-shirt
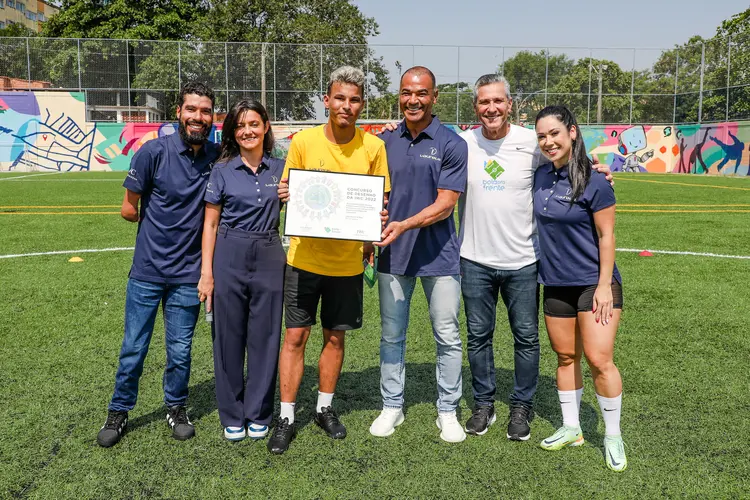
x: 499, y: 253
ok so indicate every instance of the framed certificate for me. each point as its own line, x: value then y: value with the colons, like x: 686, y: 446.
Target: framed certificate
x: 334, y: 205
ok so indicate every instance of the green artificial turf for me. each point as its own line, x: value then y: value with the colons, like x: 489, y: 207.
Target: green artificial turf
x: 682, y: 349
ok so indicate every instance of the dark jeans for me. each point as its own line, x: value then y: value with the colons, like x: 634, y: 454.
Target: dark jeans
x: 181, y: 307
x: 520, y: 292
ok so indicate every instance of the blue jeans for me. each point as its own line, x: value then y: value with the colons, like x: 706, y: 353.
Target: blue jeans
x: 181, y: 308
x: 443, y: 301
x: 520, y: 292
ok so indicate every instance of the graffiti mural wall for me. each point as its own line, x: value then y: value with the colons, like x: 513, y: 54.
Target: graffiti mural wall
x: 47, y: 131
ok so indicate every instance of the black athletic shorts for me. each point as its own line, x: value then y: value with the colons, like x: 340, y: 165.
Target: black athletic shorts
x: 340, y: 297
x: 568, y: 301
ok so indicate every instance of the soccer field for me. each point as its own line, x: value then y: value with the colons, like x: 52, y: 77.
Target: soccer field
x: 682, y: 349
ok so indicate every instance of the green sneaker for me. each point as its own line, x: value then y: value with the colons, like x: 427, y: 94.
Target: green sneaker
x: 564, y: 436
x: 614, y: 453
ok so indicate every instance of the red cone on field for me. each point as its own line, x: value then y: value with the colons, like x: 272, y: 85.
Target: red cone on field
x: 646, y: 253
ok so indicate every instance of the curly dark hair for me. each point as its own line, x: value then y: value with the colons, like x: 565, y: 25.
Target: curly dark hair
x: 196, y: 88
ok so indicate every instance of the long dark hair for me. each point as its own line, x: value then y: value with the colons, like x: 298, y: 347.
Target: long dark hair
x: 229, y: 146
x: 579, y: 164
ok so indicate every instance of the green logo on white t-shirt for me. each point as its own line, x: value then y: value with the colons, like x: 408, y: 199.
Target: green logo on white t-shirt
x: 494, y: 169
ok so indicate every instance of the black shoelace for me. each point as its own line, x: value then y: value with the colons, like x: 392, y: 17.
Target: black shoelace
x: 483, y: 412
x: 180, y: 416
x: 281, y: 428
x: 114, y: 420
x: 519, y: 415
x: 329, y: 415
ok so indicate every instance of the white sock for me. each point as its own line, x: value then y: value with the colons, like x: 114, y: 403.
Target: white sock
x: 579, y: 397
x: 611, y: 409
x: 569, y: 407
x: 324, y: 399
x: 287, y: 411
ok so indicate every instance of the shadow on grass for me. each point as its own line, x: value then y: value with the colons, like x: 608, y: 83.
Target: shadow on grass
x: 357, y: 391
x: 201, y: 402
x: 546, y: 402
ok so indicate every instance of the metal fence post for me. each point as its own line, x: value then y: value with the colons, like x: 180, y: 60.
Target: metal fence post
x: 79, y: 66
x: 274, y: 81
x: 367, y: 83
x: 321, y: 70
x: 28, y: 62
x: 729, y: 66
x: 676, y: 72
x: 632, y: 90
x: 179, y: 65
x: 226, y: 73
x: 127, y: 70
x: 588, y: 105
x: 703, y: 70
x: 546, y: 74
x: 458, y: 77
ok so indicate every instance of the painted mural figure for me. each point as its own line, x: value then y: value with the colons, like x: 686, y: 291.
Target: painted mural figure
x: 696, y: 155
x: 731, y: 152
x: 630, y: 142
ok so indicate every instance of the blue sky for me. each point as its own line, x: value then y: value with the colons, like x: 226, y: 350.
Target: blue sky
x: 642, y: 24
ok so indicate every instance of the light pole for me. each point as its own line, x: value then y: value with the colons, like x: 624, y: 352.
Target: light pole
x: 398, y: 109
x: 599, y: 72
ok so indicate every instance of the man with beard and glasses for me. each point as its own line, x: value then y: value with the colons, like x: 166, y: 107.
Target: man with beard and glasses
x: 164, y: 194
x: 499, y: 255
x: 427, y: 163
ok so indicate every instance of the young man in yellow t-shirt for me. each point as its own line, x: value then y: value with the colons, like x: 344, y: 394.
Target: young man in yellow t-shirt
x: 325, y: 270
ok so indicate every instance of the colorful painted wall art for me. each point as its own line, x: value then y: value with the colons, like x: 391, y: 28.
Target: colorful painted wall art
x: 48, y: 131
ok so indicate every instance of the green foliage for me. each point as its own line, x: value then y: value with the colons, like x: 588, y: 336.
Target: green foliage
x: 301, y: 72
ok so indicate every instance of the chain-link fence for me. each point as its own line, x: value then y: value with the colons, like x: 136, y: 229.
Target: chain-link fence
x: 134, y: 80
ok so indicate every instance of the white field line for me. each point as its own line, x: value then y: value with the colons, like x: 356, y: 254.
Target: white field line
x: 675, y: 252
x: 64, y: 252
x: 120, y: 249
x: 13, y: 178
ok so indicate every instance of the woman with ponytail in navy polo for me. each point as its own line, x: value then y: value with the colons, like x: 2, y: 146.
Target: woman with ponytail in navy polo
x: 574, y: 208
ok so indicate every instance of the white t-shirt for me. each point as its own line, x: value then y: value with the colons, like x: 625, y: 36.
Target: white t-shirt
x: 496, y: 209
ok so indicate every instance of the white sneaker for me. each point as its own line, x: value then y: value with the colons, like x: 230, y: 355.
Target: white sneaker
x: 234, y: 433
x: 257, y: 431
x: 451, y: 430
x: 387, y: 421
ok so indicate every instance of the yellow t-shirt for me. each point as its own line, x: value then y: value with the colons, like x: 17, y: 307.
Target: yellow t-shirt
x: 311, y: 150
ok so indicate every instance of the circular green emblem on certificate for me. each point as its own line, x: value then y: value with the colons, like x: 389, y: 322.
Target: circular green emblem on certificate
x: 320, y: 197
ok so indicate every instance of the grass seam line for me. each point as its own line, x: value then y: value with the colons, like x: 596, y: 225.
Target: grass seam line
x: 676, y: 252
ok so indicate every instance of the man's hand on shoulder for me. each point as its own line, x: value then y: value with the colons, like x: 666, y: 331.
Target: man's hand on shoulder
x: 604, y: 169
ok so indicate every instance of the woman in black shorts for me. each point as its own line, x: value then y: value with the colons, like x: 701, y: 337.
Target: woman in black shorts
x: 574, y: 208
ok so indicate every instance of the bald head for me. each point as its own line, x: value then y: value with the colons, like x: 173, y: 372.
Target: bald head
x: 419, y: 71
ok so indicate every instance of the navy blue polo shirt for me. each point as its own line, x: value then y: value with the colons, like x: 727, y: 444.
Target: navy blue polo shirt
x: 567, y: 235
x: 171, y: 181
x: 435, y: 159
x: 249, y: 201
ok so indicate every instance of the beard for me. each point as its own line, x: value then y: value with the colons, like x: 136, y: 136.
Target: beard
x: 196, y: 138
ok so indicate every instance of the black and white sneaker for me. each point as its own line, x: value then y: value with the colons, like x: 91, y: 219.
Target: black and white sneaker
x: 282, y: 435
x: 329, y: 422
x: 182, y: 427
x: 113, y: 428
x: 481, y: 419
x: 518, y: 427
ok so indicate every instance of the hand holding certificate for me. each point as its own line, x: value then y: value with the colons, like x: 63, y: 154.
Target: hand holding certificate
x: 334, y: 205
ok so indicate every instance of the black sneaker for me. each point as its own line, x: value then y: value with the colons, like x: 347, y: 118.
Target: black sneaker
x: 182, y: 427
x: 518, y: 427
x: 282, y: 435
x: 329, y: 422
x: 113, y: 428
x: 481, y: 419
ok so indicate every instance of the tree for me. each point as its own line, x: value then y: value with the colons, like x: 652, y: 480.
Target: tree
x: 13, y: 62
x: 301, y: 68
x: 452, y: 109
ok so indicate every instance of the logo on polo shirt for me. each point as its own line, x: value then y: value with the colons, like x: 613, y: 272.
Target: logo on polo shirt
x: 133, y: 174
x: 431, y: 156
x: 274, y: 180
